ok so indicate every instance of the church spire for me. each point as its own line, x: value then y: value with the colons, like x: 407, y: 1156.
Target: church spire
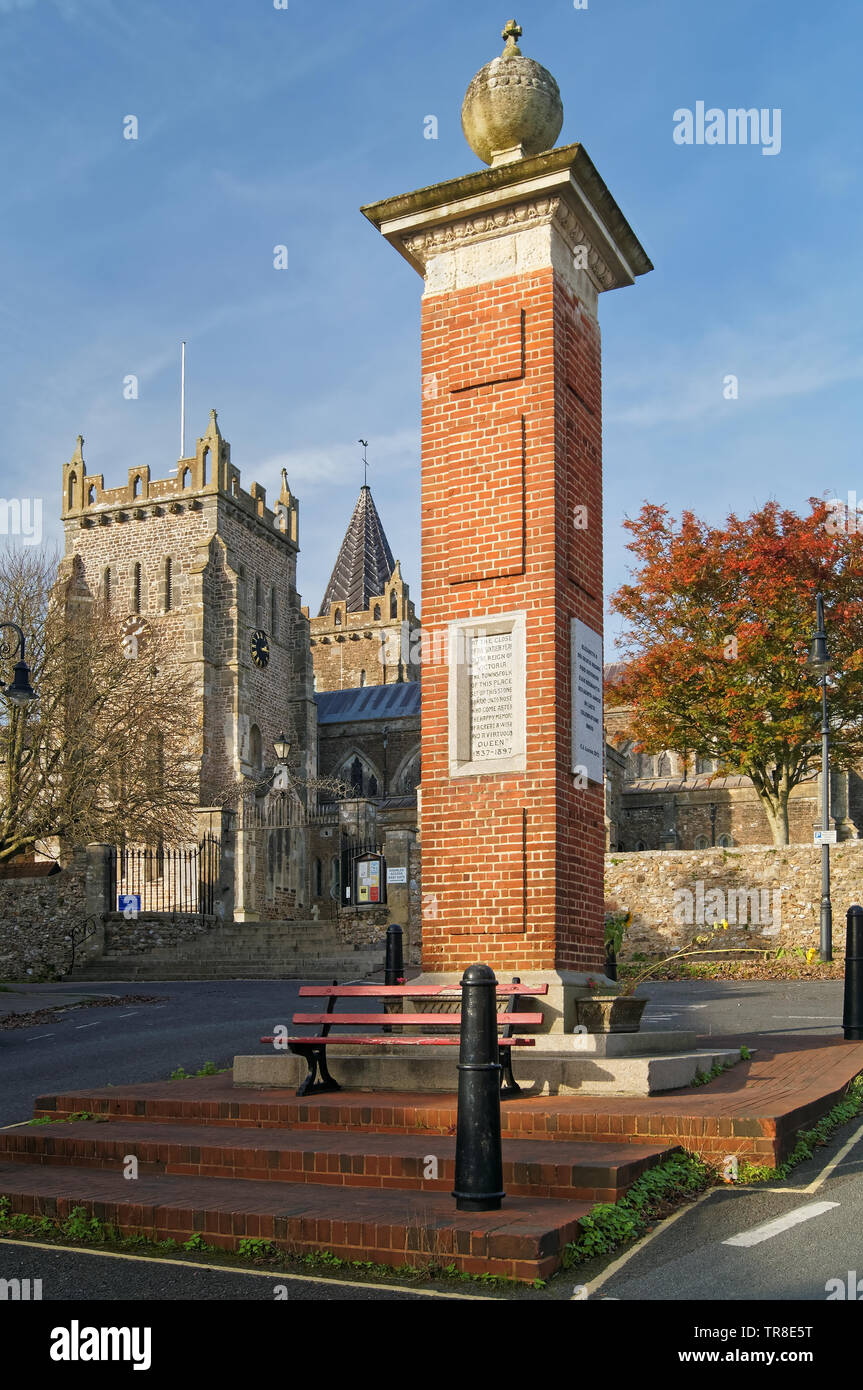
x: 365, y: 561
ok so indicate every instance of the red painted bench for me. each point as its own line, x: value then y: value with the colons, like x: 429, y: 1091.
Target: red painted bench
x: 314, y: 1048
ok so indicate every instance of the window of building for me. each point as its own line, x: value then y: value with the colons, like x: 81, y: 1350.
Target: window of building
x: 204, y: 465
x: 702, y: 842
x: 137, y: 584
x: 187, y: 477
x: 394, y: 604
x: 168, y: 580
x: 337, y: 618
x: 106, y: 585
x: 255, y: 748
x: 136, y: 488
x: 725, y: 842
x: 91, y: 494
x: 377, y: 614
x: 319, y: 879
x: 362, y: 677
x: 640, y: 845
x: 73, y: 478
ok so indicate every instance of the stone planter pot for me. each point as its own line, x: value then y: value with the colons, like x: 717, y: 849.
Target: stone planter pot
x: 610, y: 1013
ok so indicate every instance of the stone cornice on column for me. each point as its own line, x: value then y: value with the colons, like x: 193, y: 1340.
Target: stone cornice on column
x: 559, y: 190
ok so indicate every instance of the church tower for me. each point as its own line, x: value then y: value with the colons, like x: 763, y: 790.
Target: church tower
x: 214, y: 568
x: 364, y: 632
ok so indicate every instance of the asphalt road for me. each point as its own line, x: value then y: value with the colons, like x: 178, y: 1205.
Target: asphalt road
x: 195, y: 1023
x: 814, y: 1235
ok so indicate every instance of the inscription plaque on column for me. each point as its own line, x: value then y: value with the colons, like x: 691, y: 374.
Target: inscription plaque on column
x: 487, y: 695
x: 491, y: 691
x: 588, y: 738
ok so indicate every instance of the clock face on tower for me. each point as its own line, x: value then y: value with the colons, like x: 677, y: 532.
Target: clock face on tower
x: 260, y: 648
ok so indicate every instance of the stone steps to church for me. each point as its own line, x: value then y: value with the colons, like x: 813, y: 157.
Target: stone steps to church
x: 524, y: 1240
x: 568, y: 1170
x: 301, y: 968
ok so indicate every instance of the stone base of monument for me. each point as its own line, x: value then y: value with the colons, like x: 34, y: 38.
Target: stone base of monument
x: 558, y: 1006
x: 595, y: 1064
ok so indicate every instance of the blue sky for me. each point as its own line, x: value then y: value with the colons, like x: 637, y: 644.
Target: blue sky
x: 260, y: 126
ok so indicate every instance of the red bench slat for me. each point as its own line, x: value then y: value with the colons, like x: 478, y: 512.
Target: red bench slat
x: 399, y: 991
x: 413, y: 1020
x: 376, y: 1039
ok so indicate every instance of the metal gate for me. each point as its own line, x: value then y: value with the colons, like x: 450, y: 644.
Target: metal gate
x: 165, y: 878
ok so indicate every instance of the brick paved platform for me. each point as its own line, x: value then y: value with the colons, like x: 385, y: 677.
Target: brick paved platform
x: 346, y: 1172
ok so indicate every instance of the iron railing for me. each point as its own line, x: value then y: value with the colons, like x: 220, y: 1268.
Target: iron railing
x: 163, y: 878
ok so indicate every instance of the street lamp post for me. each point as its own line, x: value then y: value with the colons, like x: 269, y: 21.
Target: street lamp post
x: 819, y: 663
x: 20, y: 692
x: 281, y: 774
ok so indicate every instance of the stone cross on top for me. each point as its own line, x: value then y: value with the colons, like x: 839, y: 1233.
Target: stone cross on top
x: 512, y: 33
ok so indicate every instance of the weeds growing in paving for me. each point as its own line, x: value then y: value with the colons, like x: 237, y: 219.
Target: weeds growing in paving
x: 79, y: 1228
x: 651, y: 1197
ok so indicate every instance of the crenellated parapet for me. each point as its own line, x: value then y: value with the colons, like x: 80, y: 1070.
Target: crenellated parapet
x: 206, y: 475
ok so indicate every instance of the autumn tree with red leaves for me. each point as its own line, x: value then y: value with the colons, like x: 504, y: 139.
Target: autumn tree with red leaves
x: 718, y: 625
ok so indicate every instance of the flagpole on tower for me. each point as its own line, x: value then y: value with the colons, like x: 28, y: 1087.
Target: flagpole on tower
x: 182, y: 400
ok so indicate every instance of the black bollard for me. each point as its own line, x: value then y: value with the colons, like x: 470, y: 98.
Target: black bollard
x: 852, y: 1017
x: 478, y: 1159
x: 394, y: 968
x: 610, y: 963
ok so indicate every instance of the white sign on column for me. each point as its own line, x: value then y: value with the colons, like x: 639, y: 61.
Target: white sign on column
x: 588, y: 738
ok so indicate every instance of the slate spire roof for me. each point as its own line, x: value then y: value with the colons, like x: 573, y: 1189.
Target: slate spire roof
x: 365, y: 561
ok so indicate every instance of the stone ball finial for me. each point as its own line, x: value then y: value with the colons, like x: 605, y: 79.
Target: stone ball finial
x: 512, y: 108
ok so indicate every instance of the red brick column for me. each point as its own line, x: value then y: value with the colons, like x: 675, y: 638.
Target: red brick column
x: 513, y: 259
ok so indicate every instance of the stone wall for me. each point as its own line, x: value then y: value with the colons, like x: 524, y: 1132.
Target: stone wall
x: 770, y: 897
x: 36, y: 915
x: 150, y: 930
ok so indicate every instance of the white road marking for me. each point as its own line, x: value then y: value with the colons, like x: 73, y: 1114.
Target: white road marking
x: 277, y: 1276
x: 768, y: 1229
x: 79, y: 1026
x: 134, y: 1011
x: 38, y: 1036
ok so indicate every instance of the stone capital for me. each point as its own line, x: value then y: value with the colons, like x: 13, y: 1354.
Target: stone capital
x: 552, y: 210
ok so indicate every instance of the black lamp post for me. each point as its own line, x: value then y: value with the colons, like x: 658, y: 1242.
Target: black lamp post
x: 282, y: 749
x: 20, y: 692
x: 819, y: 664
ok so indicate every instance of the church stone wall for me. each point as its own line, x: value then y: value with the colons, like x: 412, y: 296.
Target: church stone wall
x: 780, y: 903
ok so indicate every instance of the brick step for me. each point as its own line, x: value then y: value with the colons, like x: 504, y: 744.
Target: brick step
x: 532, y: 1167
x: 524, y: 1240
x: 215, y: 1101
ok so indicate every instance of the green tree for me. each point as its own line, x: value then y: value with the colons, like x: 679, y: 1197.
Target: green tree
x: 718, y: 624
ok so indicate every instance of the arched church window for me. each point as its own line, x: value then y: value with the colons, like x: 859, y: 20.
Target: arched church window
x: 394, y: 604
x: 377, y: 614
x: 204, y: 465
x: 337, y: 617
x: 640, y: 845
x: 725, y: 842
x: 702, y: 842
x: 73, y: 478
x: 255, y: 748
x: 168, y: 582
x: 91, y: 495
x: 137, y: 585
x: 136, y: 486
x: 187, y: 477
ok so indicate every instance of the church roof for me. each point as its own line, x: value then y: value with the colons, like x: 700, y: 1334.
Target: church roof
x: 368, y: 702
x: 365, y: 561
